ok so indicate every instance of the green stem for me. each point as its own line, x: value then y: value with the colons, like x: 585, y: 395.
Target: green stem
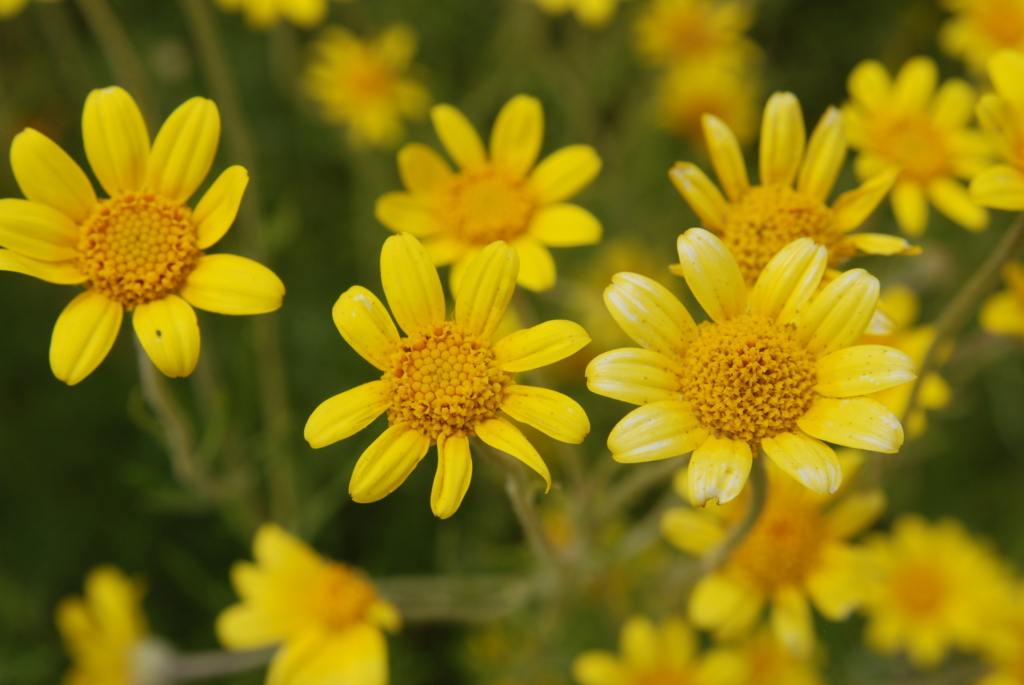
x: 187, y: 668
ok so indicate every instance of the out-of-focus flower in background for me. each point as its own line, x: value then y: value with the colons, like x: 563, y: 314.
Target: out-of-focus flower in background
x: 723, y: 89
x: 980, y: 28
x: 364, y: 86
x: 1002, y: 313
x: 9, y: 8
x: 905, y: 121
x: 592, y: 13
x: 1001, y: 115
x: 672, y: 32
x: 500, y: 197
x: 769, y: 663
x: 264, y: 14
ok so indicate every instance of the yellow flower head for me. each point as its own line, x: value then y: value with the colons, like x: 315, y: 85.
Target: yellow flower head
x: 980, y: 28
x: 363, y: 85
x: 769, y: 663
x: 1004, y: 650
x: 797, y: 551
x: 1001, y: 115
x: 671, y: 32
x: 755, y: 222
x: 264, y: 14
x: 503, y: 197
x: 103, y: 629
x: 658, y: 654
x: 686, y: 93
x: 936, y: 588
x: 445, y: 380
x: 1003, y: 312
x: 907, y: 122
x: 9, y: 8
x: 774, y: 369
x: 327, y: 616
x: 141, y: 250
x: 592, y: 13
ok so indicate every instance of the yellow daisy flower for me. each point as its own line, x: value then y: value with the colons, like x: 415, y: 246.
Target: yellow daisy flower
x: 980, y: 28
x: 664, y: 653
x: 326, y: 616
x: 798, y: 553
x: 1001, y: 115
x: 686, y: 93
x: 768, y: 663
x: 362, y: 85
x: 1003, y: 312
x: 263, y: 14
x: 1004, y: 652
x: 936, y: 589
x: 103, y: 630
x: 672, y: 32
x: 907, y: 122
x: 494, y: 199
x: 592, y: 13
x: 141, y: 250
x: 9, y: 8
x: 446, y: 380
x: 774, y: 370
x: 758, y: 221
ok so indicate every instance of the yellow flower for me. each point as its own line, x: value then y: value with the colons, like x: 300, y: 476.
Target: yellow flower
x: 672, y: 32
x: 686, y: 93
x: 655, y: 654
x: 9, y: 8
x: 1003, y: 312
x: 263, y: 14
x: 103, y: 630
x: 142, y: 249
x: 797, y: 551
x: 593, y: 13
x: 907, y: 122
x: 901, y: 306
x: 446, y: 380
x: 1004, y: 651
x: 774, y: 370
x: 1001, y: 115
x: 980, y: 28
x: 758, y: 221
x: 768, y: 663
x: 326, y: 616
x: 362, y: 85
x: 936, y: 589
x: 494, y: 199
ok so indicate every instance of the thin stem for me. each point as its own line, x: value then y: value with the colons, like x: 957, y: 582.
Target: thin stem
x: 188, y: 668
x: 758, y: 484
x: 470, y: 599
x: 637, y: 483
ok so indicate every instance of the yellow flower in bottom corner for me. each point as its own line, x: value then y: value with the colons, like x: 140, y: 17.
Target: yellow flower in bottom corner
x: 326, y: 616
x: 264, y: 14
x: 1003, y: 312
x: 445, y: 380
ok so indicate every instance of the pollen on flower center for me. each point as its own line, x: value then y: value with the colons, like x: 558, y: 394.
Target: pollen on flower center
x: 485, y: 205
x: 748, y: 378
x: 766, y: 219
x: 919, y: 589
x: 662, y: 678
x: 136, y: 248
x: 342, y: 596
x: 782, y: 547
x: 444, y: 381
x: 913, y: 141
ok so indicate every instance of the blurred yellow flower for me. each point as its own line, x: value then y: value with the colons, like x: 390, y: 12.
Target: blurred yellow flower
x: 103, y: 629
x: 446, y: 380
x: 768, y: 663
x: 686, y: 93
x: 326, y: 616
x: 758, y: 221
x: 494, y: 199
x: 675, y: 32
x: 797, y: 551
x: 774, y: 370
x: 263, y: 14
x: 1001, y: 115
x: 1003, y: 312
x: 1004, y: 651
x: 362, y: 85
x: 935, y: 589
x: 907, y: 122
x: 9, y: 8
x: 139, y: 251
x: 980, y: 28
x: 654, y: 654
x: 593, y: 13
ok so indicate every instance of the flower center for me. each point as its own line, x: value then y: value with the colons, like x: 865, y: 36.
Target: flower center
x: 136, y: 248
x: 369, y: 80
x: 766, y: 219
x: 485, y: 205
x: 661, y: 677
x: 919, y: 589
x: 444, y: 381
x: 912, y: 140
x: 1001, y: 20
x: 782, y: 547
x: 342, y: 596
x: 748, y: 378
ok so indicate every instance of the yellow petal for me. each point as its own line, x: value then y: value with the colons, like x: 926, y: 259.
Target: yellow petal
x: 47, y: 175
x: 692, y: 530
x: 791, y: 621
x: 880, y: 244
x: 1002, y: 314
x: 718, y: 602
x: 405, y: 213
x: 659, y: 430
x: 712, y: 273
x: 184, y: 149
x: 1006, y: 69
x: 64, y: 273
x: 458, y: 136
x: 826, y: 153
x: 411, y: 284
x: 116, y: 140
x: 517, y: 135
x: 536, y: 265
x: 540, y: 345
x: 565, y: 225
x: 858, y: 422
x: 37, y: 231
x: 638, y: 642
x: 704, y: 198
x: 454, y: 471
x: 597, y: 667
x: 635, y: 376
x: 954, y: 103
x: 789, y: 280
x: 811, y: 462
x: 726, y: 157
x: 852, y: 208
x: 855, y: 513
x: 1000, y: 187
x: 366, y: 325
x: 910, y: 207
x: 83, y: 336
x: 229, y: 284
x: 914, y: 84
x: 841, y: 580
x: 564, y: 173
x: 502, y: 435
x: 487, y: 288
x: 218, y: 208
x: 869, y: 84
x: 649, y: 313
x: 384, y: 614
x: 550, y: 412
x: 718, y: 470
x: 445, y: 250
x: 862, y: 370
x: 840, y: 313
x: 459, y: 268
x: 998, y: 119
x: 346, y: 414
x: 356, y: 654
x: 386, y: 463
x: 169, y: 332
x: 951, y: 198
x: 244, y: 626
x: 782, y: 139
x: 422, y: 169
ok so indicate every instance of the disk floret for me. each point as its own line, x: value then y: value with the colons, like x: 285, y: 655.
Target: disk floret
x: 782, y: 548
x: 343, y: 595
x: 487, y: 205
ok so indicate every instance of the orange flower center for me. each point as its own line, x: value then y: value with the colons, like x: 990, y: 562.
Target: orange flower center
x: 766, y: 219
x: 919, y: 589
x: 485, y: 205
x: 912, y: 140
x: 748, y: 378
x: 444, y: 381
x: 662, y: 677
x: 136, y: 248
x: 782, y: 547
x: 342, y: 596
x: 368, y: 80
x: 1001, y: 20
